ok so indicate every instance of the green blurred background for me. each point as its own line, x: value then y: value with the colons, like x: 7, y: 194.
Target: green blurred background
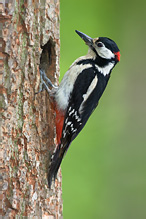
x: 104, y: 172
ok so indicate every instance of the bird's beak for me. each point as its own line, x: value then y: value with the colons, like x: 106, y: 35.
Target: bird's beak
x: 88, y: 40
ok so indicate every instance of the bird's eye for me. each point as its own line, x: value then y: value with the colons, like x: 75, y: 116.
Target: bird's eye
x: 99, y: 44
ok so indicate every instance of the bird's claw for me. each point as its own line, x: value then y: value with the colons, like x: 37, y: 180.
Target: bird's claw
x: 45, y: 82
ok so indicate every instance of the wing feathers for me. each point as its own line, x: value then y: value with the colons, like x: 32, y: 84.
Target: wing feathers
x: 89, y: 91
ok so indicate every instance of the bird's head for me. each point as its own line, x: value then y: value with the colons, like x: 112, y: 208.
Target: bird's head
x: 102, y: 47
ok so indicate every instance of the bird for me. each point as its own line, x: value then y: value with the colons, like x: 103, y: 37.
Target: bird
x: 79, y: 92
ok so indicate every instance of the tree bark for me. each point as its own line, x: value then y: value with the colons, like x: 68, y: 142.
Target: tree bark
x: 30, y: 39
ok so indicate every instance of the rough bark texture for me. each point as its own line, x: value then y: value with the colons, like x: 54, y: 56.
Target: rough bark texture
x: 30, y: 38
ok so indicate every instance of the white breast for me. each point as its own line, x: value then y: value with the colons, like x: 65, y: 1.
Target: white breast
x: 66, y: 86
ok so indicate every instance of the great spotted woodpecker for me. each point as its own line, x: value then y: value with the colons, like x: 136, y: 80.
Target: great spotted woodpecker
x: 79, y: 92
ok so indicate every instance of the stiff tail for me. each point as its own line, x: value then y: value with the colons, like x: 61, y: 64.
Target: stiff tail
x: 55, y: 164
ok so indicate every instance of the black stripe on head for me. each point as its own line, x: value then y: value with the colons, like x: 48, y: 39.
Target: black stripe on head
x: 110, y: 44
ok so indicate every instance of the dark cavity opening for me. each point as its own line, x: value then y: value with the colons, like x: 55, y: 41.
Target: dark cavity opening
x: 48, y: 59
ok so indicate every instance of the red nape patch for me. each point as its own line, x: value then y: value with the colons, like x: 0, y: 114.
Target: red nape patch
x: 118, y: 55
x: 59, y: 125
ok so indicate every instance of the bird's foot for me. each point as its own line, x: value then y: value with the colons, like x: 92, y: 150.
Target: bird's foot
x: 45, y: 83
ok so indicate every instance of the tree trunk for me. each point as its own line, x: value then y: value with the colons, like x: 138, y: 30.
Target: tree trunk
x: 30, y: 39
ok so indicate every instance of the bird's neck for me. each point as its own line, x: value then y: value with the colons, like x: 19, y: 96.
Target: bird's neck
x: 101, y: 62
x: 104, y: 66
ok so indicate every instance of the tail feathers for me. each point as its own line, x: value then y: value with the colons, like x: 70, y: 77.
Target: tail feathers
x: 55, y: 164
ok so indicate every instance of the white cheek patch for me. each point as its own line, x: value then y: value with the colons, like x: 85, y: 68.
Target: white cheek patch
x: 105, y: 53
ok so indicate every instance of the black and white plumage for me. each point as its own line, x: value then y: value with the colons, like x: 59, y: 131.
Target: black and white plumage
x: 79, y: 92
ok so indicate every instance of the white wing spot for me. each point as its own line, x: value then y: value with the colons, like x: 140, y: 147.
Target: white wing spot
x: 66, y: 120
x: 70, y: 124
x: 71, y: 112
x: 89, y: 91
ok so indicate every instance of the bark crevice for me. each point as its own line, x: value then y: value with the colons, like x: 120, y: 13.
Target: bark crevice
x: 27, y: 120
